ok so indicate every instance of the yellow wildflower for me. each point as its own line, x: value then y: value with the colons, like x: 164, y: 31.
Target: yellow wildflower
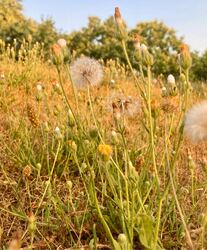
x: 105, y: 150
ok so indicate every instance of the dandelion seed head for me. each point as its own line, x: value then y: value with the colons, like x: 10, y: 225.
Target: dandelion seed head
x: 196, y: 123
x: 86, y: 71
x: 123, y: 105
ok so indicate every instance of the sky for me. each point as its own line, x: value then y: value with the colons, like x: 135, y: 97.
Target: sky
x: 187, y: 17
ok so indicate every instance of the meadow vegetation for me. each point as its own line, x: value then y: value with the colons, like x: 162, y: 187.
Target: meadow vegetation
x: 99, y: 154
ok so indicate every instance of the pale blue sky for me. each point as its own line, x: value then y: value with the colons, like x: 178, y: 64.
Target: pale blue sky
x: 188, y: 17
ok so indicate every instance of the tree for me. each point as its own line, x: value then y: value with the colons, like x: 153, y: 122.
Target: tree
x: 46, y: 33
x: 97, y: 40
x: 199, y: 67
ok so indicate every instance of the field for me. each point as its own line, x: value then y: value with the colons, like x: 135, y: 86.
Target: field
x: 94, y: 155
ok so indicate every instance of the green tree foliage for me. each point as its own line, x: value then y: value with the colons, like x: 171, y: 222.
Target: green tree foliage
x: 12, y: 21
x: 14, y: 25
x: 163, y: 44
x: 200, y: 66
x: 99, y: 40
x: 46, y: 33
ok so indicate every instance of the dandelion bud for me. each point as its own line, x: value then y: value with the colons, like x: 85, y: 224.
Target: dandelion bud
x: 93, y: 175
x: 57, y: 88
x: 155, y: 108
x: 87, y: 143
x: 46, y: 127
x: 114, y: 137
x: 136, y: 41
x: 39, y: 166
x: 137, y: 46
x: 185, y: 58
x: 147, y: 58
x: 163, y: 92
x: 117, y: 16
x: 64, y: 49
x: 122, y: 33
x: 69, y: 184
x: 58, y: 133
x: 32, y: 222
x: 71, y: 119
x: 191, y: 163
x: 122, y: 239
x: 182, y: 77
x: 57, y: 54
x: 39, y: 95
x: 27, y: 171
x: 83, y: 167
x: 72, y: 145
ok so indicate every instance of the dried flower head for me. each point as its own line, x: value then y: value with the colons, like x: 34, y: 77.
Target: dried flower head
x: 124, y: 105
x: 27, y: 171
x: 32, y: 116
x: 86, y: 71
x: 195, y: 122
x: 170, y: 105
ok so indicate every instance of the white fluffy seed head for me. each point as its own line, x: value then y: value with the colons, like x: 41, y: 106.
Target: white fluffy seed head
x: 86, y: 71
x: 196, y: 123
x: 171, y: 79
